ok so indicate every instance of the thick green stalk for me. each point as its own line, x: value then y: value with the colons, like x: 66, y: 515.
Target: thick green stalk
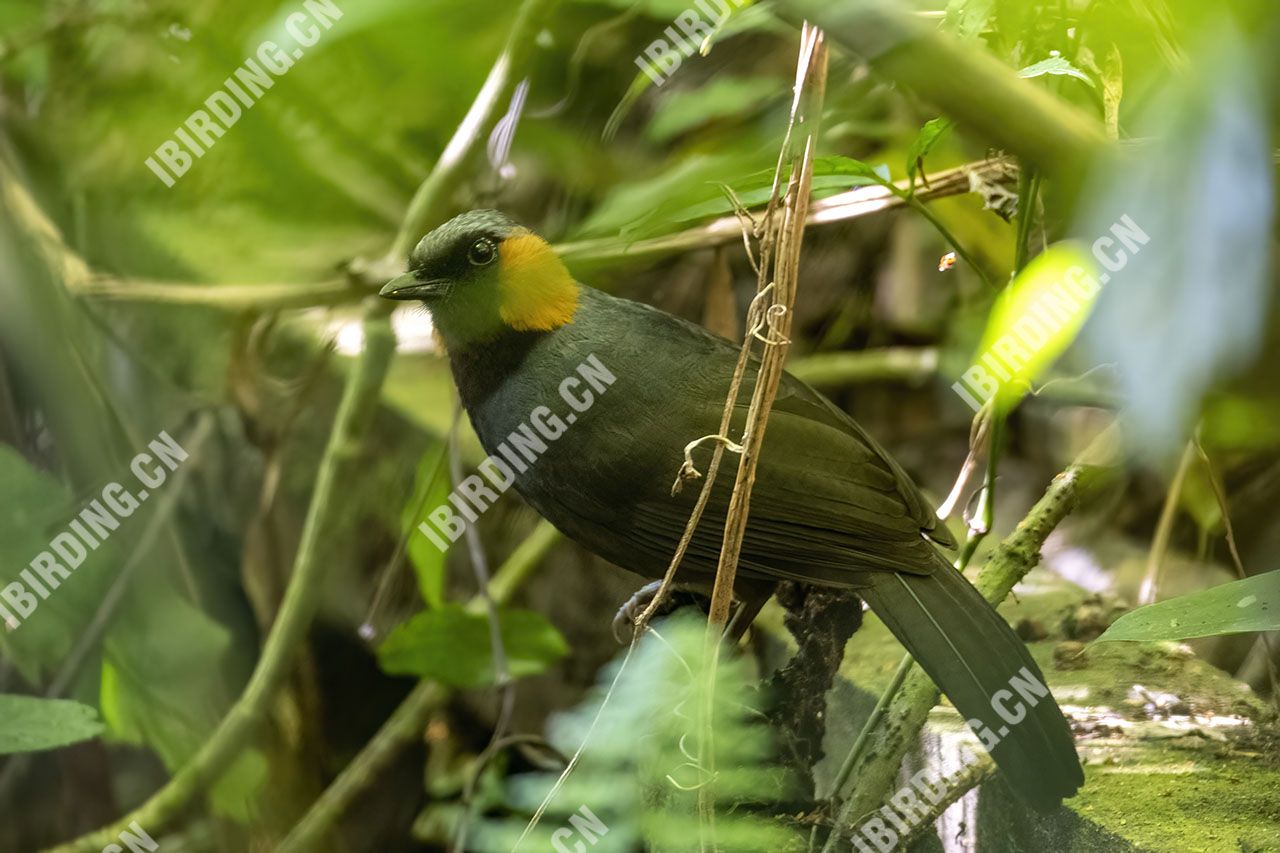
x: 969, y: 85
x: 911, y: 364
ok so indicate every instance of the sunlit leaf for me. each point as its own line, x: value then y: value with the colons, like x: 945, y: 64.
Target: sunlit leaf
x: 1242, y: 606
x: 29, y: 724
x: 1058, y: 66
x: 1035, y: 319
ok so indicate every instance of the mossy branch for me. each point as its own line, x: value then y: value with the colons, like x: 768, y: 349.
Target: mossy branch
x: 875, y: 764
x: 224, y: 297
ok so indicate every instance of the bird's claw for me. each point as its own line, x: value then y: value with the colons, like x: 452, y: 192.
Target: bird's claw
x: 624, y: 621
x: 679, y: 594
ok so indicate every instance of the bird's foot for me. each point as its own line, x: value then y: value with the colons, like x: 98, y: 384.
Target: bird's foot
x: 624, y: 621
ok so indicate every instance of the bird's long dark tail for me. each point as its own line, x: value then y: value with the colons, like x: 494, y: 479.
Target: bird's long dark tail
x: 972, y: 654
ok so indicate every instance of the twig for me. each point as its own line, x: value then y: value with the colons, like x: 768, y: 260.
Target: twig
x: 449, y: 172
x: 1164, y: 527
x: 979, y: 433
x: 226, y: 297
x: 911, y: 364
x: 912, y: 200
x: 806, y: 110
x: 842, y: 207
x: 954, y: 787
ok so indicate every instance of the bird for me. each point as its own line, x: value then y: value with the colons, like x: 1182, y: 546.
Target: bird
x: 829, y: 506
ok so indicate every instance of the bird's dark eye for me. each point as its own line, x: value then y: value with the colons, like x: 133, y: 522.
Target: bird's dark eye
x: 482, y: 252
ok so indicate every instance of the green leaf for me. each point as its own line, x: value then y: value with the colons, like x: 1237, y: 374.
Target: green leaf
x: 451, y: 645
x: 29, y: 724
x: 1243, y: 606
x: 1057, y: 66
x: 864, y: 172
x: 922, y: 144
x: 1036, y: 318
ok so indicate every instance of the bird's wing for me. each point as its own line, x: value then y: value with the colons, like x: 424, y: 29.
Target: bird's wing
x: 827, y: 503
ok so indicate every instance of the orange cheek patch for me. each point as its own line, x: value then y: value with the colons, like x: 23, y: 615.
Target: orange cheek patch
x: 537, y: 292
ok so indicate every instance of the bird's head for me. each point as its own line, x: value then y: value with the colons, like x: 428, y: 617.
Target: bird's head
x: 481, y: 274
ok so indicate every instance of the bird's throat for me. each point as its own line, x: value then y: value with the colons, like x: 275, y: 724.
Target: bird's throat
x: 536, y: 292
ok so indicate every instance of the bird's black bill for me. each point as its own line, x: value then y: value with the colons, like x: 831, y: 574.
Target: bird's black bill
x: 409, y: 286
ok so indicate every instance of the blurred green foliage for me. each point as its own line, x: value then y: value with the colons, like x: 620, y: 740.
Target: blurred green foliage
x: 318, y: 174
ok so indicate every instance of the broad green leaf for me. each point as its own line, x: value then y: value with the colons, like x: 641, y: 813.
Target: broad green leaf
x: 451, y: 645
x: 167, y: 695
x: 923, y: 144
x: 1058, y: 66
x: 865, y: 172
x: 1242, y: 606
x: 30, y: 724
x: 1034, y: 320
